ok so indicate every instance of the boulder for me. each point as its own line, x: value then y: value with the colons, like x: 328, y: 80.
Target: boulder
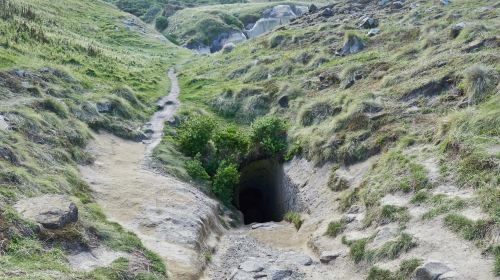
x: 456, y: 29
x: 300, y: 10
x: 51, y: 211
x: 313, y: 8
x: 328, y: 256
x: 431, y: 270
x: 369, y: 22
x: 353, y: 45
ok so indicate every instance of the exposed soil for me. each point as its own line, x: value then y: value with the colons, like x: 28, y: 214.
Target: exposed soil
x: 172, y: 218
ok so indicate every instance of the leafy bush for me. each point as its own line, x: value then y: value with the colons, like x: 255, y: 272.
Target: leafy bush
x: 161, y: 23
x: 269, y: 135
x: 225, y: 180
x: 194, y: 134
x: 195, y: 169
x: 230, y: 143
x: 294, y: 218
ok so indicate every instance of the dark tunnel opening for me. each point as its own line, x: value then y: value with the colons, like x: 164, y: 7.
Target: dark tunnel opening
x: 259, y: 194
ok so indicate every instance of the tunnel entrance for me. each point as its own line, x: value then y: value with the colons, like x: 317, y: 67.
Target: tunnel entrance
x: 259, y: 194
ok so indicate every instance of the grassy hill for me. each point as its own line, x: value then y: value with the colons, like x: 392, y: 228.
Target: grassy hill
x: 66, y: 66
x: 430, y: 79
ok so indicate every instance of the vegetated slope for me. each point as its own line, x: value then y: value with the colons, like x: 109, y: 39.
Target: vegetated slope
x: 158, y: 11
x: 200, y: 25
x: 65, y: 67
x: 422, y: 94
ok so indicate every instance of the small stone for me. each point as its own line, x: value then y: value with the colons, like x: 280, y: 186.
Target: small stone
x: 369, y: 22
x: 3, y: 123
x: 327, y: 12
x: 259, y: 275
x: 373, y: 32
x: 431, y: 270
x: 397, y: 5
x: 328, y: 256
x: 383, y: 2
x: 276, y: 273
x: 229, y: 47
x: 313, y: 8
x: 456, y: 29
x: 445, y: 2
x: 253, y: 265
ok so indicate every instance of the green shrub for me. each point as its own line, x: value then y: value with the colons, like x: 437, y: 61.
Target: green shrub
x: 335, y: 228
x: 226, y: 179
x: 230, y: 143
x: 269, y: 134
x: 194, y: 134
x: 161, y: 23
x: 195, y: 169
x: 294, y: 218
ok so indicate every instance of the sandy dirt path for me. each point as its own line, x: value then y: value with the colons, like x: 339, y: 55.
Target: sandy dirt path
x: 171, y: 217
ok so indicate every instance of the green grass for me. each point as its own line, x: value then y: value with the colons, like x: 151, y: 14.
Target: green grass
x: 294, y: 218
x: 79, y: 68
x: 335, y: 228
x: 406, y: 268
x: 470, y: 230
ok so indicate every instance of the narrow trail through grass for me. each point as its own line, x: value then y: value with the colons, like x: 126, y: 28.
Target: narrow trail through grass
x: 171, y: 217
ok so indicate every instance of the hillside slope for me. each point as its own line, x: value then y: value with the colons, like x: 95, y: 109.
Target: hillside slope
x: 65, y: 67
x: 393, y: 111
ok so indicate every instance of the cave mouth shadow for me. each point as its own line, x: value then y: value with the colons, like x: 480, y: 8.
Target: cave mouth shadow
x: 259, y: 192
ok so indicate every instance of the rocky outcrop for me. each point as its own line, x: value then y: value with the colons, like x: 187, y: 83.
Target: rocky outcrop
x: 433, y: 270
x: 271, y: 18
x: 50, y: 211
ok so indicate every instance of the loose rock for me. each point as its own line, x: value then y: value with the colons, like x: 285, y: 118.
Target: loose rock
x: 369, y: 22
x: 277, y: 273
x: 431, y: 270
x: 327, y: 12
x: 328, y: 256
x: 373, y: 32
x: 253, y: 265
x: 51, y: 211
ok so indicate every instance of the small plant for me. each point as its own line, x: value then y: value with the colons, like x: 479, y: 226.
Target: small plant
x: 357, y: 250
x: 470, y: 230
x: 294, y: 218
x: 393, y: 249
x: 420, y: 197
x: 335, y: 228
x: 479, y: 82
x: 225, y: 181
